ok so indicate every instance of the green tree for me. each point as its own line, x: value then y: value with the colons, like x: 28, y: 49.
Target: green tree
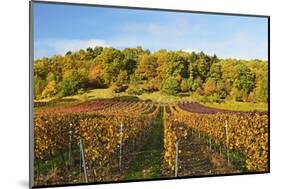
x: 214, y: 59
x: 203, y: 68
x: 122, y: 82
x: 42, y: 68
x: 170, y: 86
x: 193, y: 57
x: 93, y: 53
x: 261, y: 91
x: 131, y: 58
x: 221, y: 89
x: 193, y: 71
x: 111, y: 61
x: 215, y: 72
x: 174, y: 66
x: 243, y: 84
x: 72, y: 81
x: 134, y: 87
x: 39, y: 85
x: 245, y: 80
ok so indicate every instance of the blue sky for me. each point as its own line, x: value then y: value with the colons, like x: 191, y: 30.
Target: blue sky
x: 59, y: 28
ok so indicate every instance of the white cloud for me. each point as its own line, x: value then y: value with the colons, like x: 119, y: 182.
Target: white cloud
x: 61, y: 46
x: 174, y: 28
x: 190, y: 50
x: 241, y: 45
x: 172, y: 35
x: 182, y: 35
x: 153, y: 35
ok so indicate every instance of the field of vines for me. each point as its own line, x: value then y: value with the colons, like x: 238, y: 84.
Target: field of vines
x: 240, y: 135
x: 99, y: 141
x: 100, y: 127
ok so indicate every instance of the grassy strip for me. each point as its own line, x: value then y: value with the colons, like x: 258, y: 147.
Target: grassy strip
x: 239, y: 106
x: 158, y: 97
x: 148, y: 165
x: 60, y: 159
x: 237, y: 159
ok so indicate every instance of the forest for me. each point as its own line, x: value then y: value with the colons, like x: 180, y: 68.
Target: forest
x: 137, y: 71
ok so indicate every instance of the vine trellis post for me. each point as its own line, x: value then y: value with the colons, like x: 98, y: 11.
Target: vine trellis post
x: 227, y: 141
x: 120, y: 149
x: 83, y: 160
x: 176, y: 158
x: 69, y: 145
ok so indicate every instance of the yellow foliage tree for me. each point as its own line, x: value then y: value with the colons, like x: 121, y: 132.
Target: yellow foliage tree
x: 50, y: 90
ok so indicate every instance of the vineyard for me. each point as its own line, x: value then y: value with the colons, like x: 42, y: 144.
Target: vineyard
x: 110, y: 140
x: 235, y: 135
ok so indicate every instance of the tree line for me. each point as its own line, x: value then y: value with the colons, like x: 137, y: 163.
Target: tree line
x: 137, y: 71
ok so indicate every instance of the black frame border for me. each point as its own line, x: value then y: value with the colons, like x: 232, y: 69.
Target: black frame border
x: 31, y: 104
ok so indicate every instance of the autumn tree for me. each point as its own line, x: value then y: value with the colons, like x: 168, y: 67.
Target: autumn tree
x: 184, y: 85
x: 210, y: 87
x: 137, y: 71
x: 110, y: 60
x: 38, y: 86
x: 147, y: 68
x: 50, y: 90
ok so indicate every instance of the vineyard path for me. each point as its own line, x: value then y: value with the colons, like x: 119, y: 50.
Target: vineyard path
x: 148, y: 163
x: 195, y: 158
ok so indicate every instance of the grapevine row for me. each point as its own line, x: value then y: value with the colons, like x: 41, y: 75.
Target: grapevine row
x: 100, y: 131
x: 246, y: 133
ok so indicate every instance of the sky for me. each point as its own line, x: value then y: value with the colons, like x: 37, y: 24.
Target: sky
x: 59, y: 28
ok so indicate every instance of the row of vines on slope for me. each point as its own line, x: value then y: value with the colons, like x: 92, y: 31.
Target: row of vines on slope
x: 99, y: 129
x: 246, y: 133
x: 174, y: 130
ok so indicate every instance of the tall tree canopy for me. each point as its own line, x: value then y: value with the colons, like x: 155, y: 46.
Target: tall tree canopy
x: 137, y: 70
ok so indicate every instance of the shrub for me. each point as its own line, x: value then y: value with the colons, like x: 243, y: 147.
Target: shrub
x: 184, y: 85
x: 215, y: 98
x: 135, y: 90
x: 121, y: 84
x: 151, y: 85
x: 118, y: 88
x: 199, y: 91
x: 81, y: 91
x: 209, y: 87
